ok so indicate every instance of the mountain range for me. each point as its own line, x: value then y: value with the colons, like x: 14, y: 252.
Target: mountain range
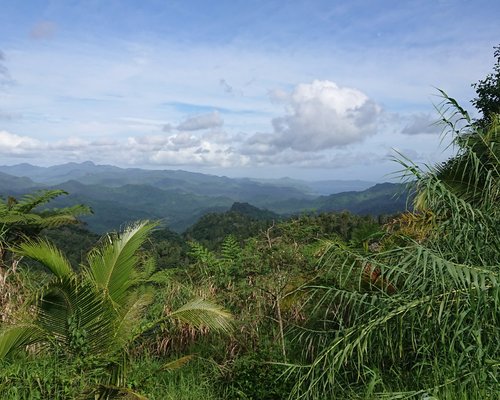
x: 180, y: 198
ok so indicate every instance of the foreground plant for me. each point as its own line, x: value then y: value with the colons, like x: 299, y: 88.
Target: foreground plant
x: 422, y: 317
x: 23, y: 217
x: 94, y: 316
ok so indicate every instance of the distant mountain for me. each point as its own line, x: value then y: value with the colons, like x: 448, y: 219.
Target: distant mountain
x: 338, y: 186
x: 15, y: 184
x: 180, y: 198
x: 318, y: 188
x: 383, y: 198
x: 57, y: 173
x: 178, y: 180
x: 114, y: 206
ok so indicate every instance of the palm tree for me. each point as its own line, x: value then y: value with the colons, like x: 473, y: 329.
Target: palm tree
x: 435, y: 331
x: 95, y: 315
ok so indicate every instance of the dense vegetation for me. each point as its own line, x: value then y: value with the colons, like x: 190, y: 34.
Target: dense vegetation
x: 324, y: 305
x: 180, y: 198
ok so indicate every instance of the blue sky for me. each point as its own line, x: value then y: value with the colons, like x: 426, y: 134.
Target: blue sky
x: 307, y: 89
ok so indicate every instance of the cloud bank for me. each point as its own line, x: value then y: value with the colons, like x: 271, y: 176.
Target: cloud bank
x: 314, y: 125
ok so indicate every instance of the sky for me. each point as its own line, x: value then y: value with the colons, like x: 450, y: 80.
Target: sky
x: 305, y: 89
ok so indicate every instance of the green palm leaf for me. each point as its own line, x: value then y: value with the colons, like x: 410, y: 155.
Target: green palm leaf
x: 111, y: 267
x: 17, y: 337
x: 77, y: 317
x: 201, y: 313
x: 49, y: 256
x: 127, y: 322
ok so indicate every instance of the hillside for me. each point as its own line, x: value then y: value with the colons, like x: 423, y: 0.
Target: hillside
x: 383, y: 198
x: 181, y: 198
x: 14, y: 184
x: 242, y: 221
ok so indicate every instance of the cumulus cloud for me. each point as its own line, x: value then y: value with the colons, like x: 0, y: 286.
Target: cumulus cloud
x: 320, y: 115
x: 180, y: 149
x: 317, y: 117
x: 206, y: 154
x: 201, y: 121
x: 43, y: 30
x: 184, y: 139
x: 12, y: 144
x: 421, y: 123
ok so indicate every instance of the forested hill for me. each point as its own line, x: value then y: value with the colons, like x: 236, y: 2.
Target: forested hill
x: 383, y: 198
x: 14, y: 184
x: 190, y: 182
x: 181, y: 198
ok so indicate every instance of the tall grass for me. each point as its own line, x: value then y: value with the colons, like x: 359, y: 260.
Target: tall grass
x: 421, y: 318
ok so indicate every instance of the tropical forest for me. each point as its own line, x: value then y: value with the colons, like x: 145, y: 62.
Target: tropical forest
x: 251, y: 304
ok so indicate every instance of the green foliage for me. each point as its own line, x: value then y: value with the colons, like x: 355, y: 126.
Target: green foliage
x: 94, y: 316
x: 44, y: 378
x: 254, y: 377
x: 169, y: 249
x: 488, y: 93
x: 53, y: 377
x: 73, y: 240
x: 420, y: 318
x: 25, y: 217
x: 213, y: 228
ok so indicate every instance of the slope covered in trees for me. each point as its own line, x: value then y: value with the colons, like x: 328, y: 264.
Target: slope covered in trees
x: 180, y: 198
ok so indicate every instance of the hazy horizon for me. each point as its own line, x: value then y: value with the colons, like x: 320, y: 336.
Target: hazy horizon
x: 309, y: 90
x: 230, y: 175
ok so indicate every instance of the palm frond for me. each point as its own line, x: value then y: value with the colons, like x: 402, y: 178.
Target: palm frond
x: 16, y: 338
x: 73, y: 211
x: 112, y: 266
x: 77, y: 317
x: 127, y: 322
x: 201, y: 313
x: 48, y: 255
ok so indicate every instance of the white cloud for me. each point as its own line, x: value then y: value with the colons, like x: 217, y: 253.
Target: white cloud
x: 202, y: 121
x: 70, y: 144
x: 205, y: 155
x: 11, y: 143
x: 184, y: 140
x: 321, y: 115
